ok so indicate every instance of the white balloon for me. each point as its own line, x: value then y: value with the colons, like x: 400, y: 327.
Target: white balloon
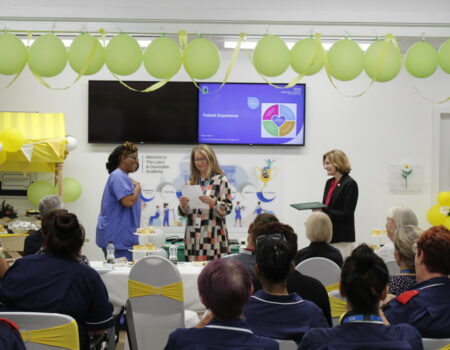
x: 71, y: 143
x: 1, y: 146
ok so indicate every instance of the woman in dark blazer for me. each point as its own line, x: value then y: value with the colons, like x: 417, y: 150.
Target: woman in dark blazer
x: 340, y: 196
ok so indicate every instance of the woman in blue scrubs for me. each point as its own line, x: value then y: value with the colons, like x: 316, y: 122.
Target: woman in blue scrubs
x: 120, y: 213
x: 364, y: 281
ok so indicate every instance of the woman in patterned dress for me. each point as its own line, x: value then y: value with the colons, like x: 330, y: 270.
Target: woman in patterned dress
x: 206, y: 236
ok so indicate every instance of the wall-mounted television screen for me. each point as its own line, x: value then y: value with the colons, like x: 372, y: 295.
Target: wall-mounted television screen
x: 256, y: 114
x: 168, y: 115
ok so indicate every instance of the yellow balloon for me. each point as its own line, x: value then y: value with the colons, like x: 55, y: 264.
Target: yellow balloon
x: 446, y: 222
x: 12, y: 140
x: 443, y: 198
x: 2, y: 157
x: 434, y: 215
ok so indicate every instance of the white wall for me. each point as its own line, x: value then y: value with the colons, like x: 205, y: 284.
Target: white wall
x: 390, y: 124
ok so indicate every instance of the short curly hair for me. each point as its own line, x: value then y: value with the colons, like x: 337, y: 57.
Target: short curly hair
x: 434, y: 245
x: 125, y: 149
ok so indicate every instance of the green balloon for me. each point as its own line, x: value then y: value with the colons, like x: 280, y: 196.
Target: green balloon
x: 201, y: 58
x: 39, y: 189
x: 80, y: 51
x: 162, y: 58
x: 123, y: 55
x: 345, y: 60
x: 307, y: 56
x: 444, y: 56
x: 421, y: 60
x: 271, y: 56
x: 71, y: 190
x: 13, y: 54
x: 382, y: 61
x: 47, y: 56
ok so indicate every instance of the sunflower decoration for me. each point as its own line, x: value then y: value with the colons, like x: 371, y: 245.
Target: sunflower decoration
x: 406, y: 171
x: 439, y: 214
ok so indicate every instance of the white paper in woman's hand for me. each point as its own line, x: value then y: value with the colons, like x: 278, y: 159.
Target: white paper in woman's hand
x: 193, y: 193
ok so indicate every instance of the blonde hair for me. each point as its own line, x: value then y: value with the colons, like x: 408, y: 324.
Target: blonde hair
x: 339, y: 160
x: 319, y: 227
x: 405, y: 243
x: 213, y: 164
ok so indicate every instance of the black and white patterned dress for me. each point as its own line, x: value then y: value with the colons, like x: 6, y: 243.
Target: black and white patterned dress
x: 209, y: 240
x: 401, y: 283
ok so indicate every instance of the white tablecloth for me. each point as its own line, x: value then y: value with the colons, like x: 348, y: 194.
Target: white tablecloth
x: 116, y: 282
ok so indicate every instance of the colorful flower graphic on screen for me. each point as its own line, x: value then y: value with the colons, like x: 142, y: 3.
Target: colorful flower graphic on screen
x: 278, y: 120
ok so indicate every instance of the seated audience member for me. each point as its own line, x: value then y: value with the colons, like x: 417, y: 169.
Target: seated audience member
x: 305, y: 286
x: 396, y: 217
x: 35, y: 240
x: 273, y: 311
x: 56, y: 282
x: 247, y: 255
x: 426, y: 306
x: 364, y: 280
x: 224, y: 286
x: 319, y: 230
x: 10, y: 338
x: 405, y: 252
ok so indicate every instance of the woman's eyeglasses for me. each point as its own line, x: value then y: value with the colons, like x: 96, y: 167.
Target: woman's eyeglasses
x: 132, y: 157
x: 200, y: 160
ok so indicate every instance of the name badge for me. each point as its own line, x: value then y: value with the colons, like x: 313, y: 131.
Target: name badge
x: 198, y: 222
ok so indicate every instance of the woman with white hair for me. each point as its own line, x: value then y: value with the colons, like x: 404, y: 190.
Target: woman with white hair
x: 319, y: 231
x: 396, y: 217
x: 405, y: 253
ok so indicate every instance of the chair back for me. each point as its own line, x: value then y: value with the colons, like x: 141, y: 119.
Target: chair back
x: 338, y: 305
x: 45, y: 331
x: 287, y: 344
x: 155, y: 297
x: 436, y: 344
x: 393, y: 268
x: 325, y: 270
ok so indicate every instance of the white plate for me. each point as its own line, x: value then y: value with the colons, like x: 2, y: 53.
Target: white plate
x: 142, y: 250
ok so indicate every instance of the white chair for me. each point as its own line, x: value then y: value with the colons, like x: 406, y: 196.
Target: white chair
x: 392, y: 267
x: 436, y: 344
x: 38, y: 332
x: 325, y: 270
x: 287, y: 344
x: 155, y: 303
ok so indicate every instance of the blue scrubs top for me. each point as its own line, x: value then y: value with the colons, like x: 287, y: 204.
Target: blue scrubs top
x: 428, y: 311
x: 10, y: 337
x: 282, y: 316
x: 44, y: 283
x: 118, y: 223
x: 231, y: 334
x: 362, y: 335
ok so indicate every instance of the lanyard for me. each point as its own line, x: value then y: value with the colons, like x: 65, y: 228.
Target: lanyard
x: 407, y: 271
x: 207, y: 183
x: 230, y: 328
x: 432, y: 285
x: 372, y: 318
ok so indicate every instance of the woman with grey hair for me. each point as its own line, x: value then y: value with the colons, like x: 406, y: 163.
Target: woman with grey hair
x: 319, y: 231
x: 405, y: 253
x: 35, y: 239
x: 396, y: 217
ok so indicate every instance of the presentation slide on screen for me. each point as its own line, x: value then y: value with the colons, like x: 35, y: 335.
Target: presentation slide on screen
x: 251, y: 114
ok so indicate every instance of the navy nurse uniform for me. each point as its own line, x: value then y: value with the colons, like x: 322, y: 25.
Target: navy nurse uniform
x: 282, y: 316
x: 118, y: 223
x: 43, y: 283
x: 10, y: 337
x: 232, y: 334
x: 362, y: 332
x: 426, y: 306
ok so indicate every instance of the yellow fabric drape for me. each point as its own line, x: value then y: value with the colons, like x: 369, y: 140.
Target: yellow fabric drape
x: 44, y: 134
x: 172, y: 291
x: 338, y: 306
x: 64, y: 336
x: 447, y: 347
